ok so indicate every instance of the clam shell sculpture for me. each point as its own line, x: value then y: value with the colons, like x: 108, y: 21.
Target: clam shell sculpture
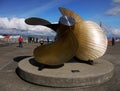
x: 75, y: 37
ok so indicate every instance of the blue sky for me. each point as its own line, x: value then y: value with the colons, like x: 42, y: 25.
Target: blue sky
x: 106, y: 11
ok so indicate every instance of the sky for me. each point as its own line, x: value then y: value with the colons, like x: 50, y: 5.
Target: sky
x: 14, y: 12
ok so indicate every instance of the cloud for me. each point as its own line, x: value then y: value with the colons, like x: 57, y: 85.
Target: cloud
x: 111, y: 32
x: 115, y: 10
x: 40, y: 9
x: 116, y: 1
x: 12, y: 23
x: 116, y: 32
x: 17, y: 25
x: 43, y: 8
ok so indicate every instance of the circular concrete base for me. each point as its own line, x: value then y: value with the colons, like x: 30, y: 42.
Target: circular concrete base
x: 72, y: 74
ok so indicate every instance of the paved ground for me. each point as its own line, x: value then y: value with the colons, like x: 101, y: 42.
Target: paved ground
x: 10, y: 55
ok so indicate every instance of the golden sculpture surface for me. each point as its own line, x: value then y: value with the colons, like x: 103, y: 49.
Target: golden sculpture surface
x: 62, y: 50
x: 75, y: 37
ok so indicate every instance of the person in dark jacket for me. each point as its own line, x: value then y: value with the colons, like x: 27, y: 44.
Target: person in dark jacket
x: 113, y: 41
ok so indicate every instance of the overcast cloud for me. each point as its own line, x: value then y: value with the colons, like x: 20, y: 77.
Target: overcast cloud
x: 111, y: 32
x: 18, y: 24
x: 115, y: 10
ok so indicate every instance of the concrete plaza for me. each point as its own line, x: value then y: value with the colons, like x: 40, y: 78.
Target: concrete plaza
x: 10, y: 55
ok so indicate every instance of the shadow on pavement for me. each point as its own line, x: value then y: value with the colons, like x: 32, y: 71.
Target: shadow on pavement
x: 42, y: 66
x: 19, y: 58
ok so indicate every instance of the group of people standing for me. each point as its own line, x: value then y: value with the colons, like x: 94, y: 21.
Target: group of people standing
x: 42, y: 41
x: 33, y: 40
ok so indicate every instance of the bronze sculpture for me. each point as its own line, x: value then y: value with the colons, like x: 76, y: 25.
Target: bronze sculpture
x: 75, y: 37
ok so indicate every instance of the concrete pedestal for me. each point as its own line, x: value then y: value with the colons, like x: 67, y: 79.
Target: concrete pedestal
x: 72, y: 74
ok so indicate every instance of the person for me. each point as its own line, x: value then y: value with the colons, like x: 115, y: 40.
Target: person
x: 113, y: 41
x: 41, y: 41
x: 47, y: 40
x: 36, y: 40
x: 20, y: 40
